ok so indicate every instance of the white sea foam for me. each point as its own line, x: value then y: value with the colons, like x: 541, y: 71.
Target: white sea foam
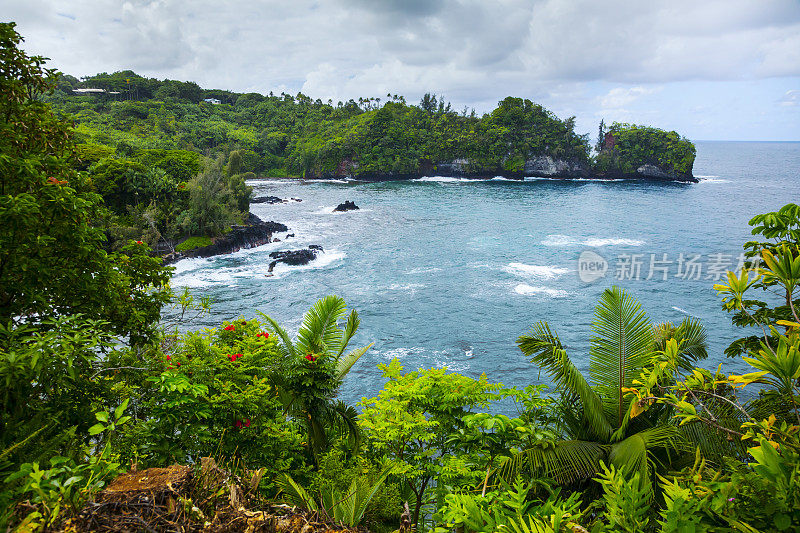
x: 410, y: 288
x: 684, y: 311
x: 423, y: 270
x: 566, y: 240
x: 536, y: 271
x: 712, y: 179
x: 530, y: 290
x: 326, y: 259
x: 443, y: 179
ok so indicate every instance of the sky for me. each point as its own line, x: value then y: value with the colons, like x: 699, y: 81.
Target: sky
x: 709, y: 69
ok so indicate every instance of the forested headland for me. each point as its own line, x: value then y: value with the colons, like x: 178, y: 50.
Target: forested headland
x: 170, y: 159
x: 243, y: 420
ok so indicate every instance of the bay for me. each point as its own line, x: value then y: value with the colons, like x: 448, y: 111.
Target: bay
x: 449, y: 272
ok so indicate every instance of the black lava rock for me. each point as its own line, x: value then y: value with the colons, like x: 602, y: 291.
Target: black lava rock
x: 295, y: 257
x: 266, y: 200
x: 255, y: 233
x: 346, y: 206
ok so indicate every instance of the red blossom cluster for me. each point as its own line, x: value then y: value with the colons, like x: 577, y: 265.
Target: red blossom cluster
x: 233, y: 357
x: 230, y: 328
x: 238, y: 424
x: 139, y: 242
x: 311, y: 357
x: 262, y: 334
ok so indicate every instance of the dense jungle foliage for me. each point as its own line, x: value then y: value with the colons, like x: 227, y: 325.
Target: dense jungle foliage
x: 94, y: 382
x: 625, y: 147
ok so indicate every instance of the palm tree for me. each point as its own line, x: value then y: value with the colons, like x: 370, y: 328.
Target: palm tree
x: 315, y: 365
x: 598, y: 417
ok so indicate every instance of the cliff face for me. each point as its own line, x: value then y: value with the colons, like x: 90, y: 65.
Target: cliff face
x: 541, y: 166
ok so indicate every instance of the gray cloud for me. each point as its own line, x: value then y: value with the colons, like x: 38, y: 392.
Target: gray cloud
x: 473, y: 51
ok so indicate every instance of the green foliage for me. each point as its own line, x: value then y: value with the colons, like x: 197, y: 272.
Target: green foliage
x: 54, y: 261
x: 413, y: 420
x: 779, y: 244
x: 193, y: 242
x: 635, y: 145
x: 316, y: 365
x: 626, y: 500
x: 602, y: 419
x: 215, y: 395
x: 214, y: 203
x: 336, y: 470
x: 346, y: 506
x: 512, y: 508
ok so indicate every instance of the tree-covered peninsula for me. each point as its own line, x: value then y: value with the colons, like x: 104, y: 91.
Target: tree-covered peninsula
x: 285, y: 135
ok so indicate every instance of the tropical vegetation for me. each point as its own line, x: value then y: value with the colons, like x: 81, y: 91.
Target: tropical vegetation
x: 96, y: 382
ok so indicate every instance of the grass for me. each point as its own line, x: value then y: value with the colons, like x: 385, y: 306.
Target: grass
x: 193, y: 242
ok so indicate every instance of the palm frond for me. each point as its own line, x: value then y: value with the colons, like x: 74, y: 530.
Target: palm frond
x: 563, y: 461
x: 319, y: 331
x: 715, y: 445
x: 286, y: 345
x: 350, y: 329
x: 347, y: 419
x: 621, y: 348
x: 365, y: 493
x: 691, y: 337
x: 344, y: 364
x: 295, y: 494
x: 545, y: 349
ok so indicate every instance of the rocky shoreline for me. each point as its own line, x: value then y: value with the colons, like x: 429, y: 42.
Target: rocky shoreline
x: 540, y: 167
x: 254, y: 233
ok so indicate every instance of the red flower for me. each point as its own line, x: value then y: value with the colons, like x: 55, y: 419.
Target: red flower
x: 169, y: 358
x: 262, y: 334
x: 247, y: 423
x: 178, y: 364
x: 235, y: 356
x: 310, y: 357
x: 238, y: 423
x: 230, y: 328
x: 139, y: 242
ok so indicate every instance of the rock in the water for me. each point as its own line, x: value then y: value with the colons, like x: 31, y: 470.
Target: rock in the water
x: 295, y: 257
x: 266, y: 200
x: 346, y: 206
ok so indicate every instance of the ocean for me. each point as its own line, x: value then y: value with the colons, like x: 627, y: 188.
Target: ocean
x: 449, y: 272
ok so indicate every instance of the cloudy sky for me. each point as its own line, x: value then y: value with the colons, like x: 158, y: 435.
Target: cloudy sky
x: 710, y: 69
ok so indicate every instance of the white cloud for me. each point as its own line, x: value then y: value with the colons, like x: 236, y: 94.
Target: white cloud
x: 791, y: 98
x: 619, y: 97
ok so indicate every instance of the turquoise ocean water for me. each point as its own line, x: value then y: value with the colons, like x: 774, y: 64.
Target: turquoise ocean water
x: 448, y: 272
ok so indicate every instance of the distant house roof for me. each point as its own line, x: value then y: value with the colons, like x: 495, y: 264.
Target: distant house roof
x: 88, y: 90
x: 212, y: 101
